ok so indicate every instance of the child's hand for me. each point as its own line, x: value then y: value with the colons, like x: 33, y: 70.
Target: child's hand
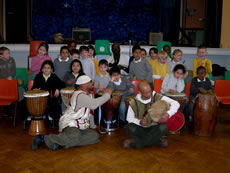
x: 164, y: 118
x: 131, y: 90
x: 143, y: 122
x: 56, y: 94
x: 202, y: 90
x: 181, y: 77
x: 172, y: 91
x: 201, y: 63
x: 70, y: 81
x: 9, y: 78
x: 210, y: 91
x: 112, y: 79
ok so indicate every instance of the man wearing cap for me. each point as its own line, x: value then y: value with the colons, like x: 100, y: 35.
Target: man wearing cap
x: 74, y: 124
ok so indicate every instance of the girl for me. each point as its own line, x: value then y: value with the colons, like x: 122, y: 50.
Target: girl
x: 174, y: 82
x: 76, y: 71
x: 40, y: 58
x: 47, y: 80
x: 176, y: 59
x: 92, y: 56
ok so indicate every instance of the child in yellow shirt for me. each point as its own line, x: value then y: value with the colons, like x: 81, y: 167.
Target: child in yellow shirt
x: 202, y: 61
x: 160, y: 67
x: 91, y: 55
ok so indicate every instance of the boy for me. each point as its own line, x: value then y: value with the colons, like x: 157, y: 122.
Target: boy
x: 202, y: 61
x: 87, y: 63
x: 74, y: 54
x: 7, y: 64
x: 143, y: 53
x: 103, y: 78
x: 72, y: 45
x: 62, y: 63
x: 140, y: 67
x: 200, y: 84
x: 124, y: 85
x: 160, y: 67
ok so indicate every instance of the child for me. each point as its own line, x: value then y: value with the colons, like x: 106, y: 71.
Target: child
x: 152, y: 56
x: 174, y: 82
x: 7, y: 64
x: 103, y: 78
x: 74, y: 54
x: 76, y: 71
x: 140, y: 67
x: 202, y: 61
x: 176, y: 59
x: 200, y: 84
x: 72, y: 45
x: 62, y: 64
x: 167, y: 49
x: 92, y: 56
x: 160, y: 68
x: 124, y: 85
x: 48, y: 81
x: 40, y: 58
x: 143, y: 53
x: 87, y: 63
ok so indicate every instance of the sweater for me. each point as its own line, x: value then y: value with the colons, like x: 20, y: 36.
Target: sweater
x: 37, y: 63
x: 170, y: 82
x: 88, y: 67
x: 160, y: 69
x: 206, y: 63
x: 7, y: 68
x: 70, y: 76
x: 141, y: 69
x: 61, y: 67
x: 101, y: 79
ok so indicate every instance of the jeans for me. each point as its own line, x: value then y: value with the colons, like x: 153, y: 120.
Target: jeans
x: 122, y: 108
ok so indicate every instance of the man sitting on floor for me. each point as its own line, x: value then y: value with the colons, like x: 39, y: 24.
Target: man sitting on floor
x: 141, y: 128
x: 74, y: 124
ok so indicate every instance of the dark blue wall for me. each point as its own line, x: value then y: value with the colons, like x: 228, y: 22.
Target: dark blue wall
x: 115, y: 20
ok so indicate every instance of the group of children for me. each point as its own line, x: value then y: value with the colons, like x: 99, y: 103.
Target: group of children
x: 72, y: 63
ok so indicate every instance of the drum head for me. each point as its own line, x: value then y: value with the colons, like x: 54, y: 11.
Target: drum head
x: 116, y: 93
x: 36, y: 93
x: 67, y: 90
x: 175, y: 95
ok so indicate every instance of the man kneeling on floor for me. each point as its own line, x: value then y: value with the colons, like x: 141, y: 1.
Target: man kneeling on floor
x: 140, y: 127
x: 74, y: 124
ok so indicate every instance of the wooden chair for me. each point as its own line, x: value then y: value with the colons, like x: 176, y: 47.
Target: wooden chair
x: 157, y: 85
x: 9, y: 94
x: 187, y: 90
x: 136, y: 83
x: 222, y: 91
x: 33, y: 50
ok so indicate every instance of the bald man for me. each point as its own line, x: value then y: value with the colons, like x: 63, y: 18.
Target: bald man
x: 140, y: 127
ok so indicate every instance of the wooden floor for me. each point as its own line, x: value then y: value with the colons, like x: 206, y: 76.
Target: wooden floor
x: 186, y: 153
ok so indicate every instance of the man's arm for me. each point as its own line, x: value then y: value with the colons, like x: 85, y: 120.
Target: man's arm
x: 131, y: 117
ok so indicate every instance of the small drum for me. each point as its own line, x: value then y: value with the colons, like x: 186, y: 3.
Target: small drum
x: 127, y: 100
x: 66, y: 94
x: 180, y: 97
x: 36, y: 102
x: 110, y: 111
x: 205, y: 113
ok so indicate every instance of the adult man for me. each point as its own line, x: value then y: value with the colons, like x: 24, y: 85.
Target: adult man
x: 74, y: 124
x: 143, y: 131
x: 122, y: 61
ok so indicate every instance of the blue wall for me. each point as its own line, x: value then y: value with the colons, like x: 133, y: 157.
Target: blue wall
x: 108, y: 19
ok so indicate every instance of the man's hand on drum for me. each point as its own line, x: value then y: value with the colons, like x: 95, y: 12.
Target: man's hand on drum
x: 108, y: 90
x: 131, y: 90
x: 164, y: 118
x: 56, y: 94
x: 70, y: 81
x: 143, y: 122
x: 172, y: 91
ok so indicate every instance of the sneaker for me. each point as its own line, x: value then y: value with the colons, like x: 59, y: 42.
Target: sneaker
x: 56, y: 146
x: 128, y: 143
x: 37, y: 142
x: 164, y: 142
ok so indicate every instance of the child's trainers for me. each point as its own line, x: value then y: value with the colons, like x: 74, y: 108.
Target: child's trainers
x: 37, y: 142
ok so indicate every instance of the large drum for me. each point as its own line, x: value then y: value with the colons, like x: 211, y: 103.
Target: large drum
x: 110, y: 120
x: 180, y: 97
x: 36, y: 102
x: 66, y: 94
x: 205, y: 111
x: 127, y: 100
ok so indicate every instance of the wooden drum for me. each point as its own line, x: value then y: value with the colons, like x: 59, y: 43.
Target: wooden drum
x: 110, y: 111
x: 180, y: 97
x: 66, y: 94
x: 127, y: 100
x: 205, y: 112
x: 36, y: 102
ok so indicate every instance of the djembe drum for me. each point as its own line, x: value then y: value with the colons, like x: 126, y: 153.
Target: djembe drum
x: 205, y: 112
x: 110, y: 111
x: 36, y: 102
x: 66, y: 94
x: 180, y: 97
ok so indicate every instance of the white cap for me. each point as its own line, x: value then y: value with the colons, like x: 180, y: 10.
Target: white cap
x: 83, y: 79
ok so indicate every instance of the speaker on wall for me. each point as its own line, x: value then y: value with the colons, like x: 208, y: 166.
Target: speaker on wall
x: 154, y: 37
x: 81, y: 34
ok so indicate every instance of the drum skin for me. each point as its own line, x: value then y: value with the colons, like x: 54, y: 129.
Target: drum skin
x: 66, y: 94
x: 205, y: 113
x: 181, y: 99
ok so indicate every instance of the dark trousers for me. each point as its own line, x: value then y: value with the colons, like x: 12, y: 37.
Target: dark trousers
x: 145, y: 136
